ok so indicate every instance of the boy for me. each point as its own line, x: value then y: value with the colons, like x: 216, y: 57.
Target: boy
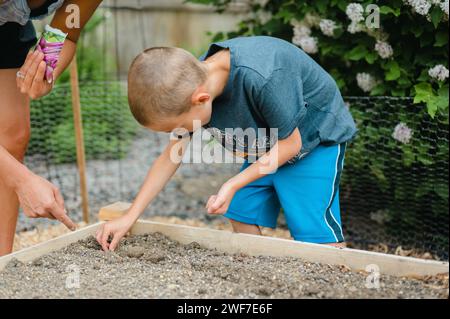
x: 248, y: 84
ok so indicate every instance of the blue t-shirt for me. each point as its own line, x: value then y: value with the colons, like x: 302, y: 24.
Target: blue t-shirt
x: 274, y: 84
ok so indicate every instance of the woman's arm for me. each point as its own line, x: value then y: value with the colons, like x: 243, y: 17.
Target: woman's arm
x: 37, y: 197
x: 63, y: 21
x: 34, y: 83
x: 12, y: 172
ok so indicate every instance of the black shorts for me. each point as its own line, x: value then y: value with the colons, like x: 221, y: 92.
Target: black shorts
x: 16, y: 41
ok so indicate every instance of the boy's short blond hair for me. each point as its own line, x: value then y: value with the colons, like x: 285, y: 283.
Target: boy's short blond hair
x: 161, y: 82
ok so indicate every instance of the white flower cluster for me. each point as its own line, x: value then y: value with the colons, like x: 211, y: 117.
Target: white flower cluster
x: 384, y: 49
x: 422, y: 7
x: 366, y: 81
x: 438, y: 72
x: 402, y: 133
x: 309, y: 45
x: 355, y: 12
x: 300, y: 29
x: 302, y: 38
x: 327, y: 27
x: 355, y: 27
x: 444, y: 6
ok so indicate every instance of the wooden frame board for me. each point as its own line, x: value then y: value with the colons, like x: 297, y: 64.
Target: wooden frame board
x: 232, y: 243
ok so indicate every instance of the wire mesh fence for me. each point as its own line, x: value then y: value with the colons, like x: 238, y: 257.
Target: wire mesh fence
x: 395, y: 183
x: 394, y: 189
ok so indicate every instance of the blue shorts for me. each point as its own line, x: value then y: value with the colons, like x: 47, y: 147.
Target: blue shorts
x: 308, y: 192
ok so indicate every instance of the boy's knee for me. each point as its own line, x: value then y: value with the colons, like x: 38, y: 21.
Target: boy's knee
x: 16, y: 141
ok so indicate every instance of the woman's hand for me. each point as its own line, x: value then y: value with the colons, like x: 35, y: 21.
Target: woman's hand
x: 114, y: 230
x: 218, y: 204
x: 41, y: 199
x: 31, y: 76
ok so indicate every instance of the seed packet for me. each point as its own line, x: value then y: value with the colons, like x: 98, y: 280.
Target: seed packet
x: 51, y: 44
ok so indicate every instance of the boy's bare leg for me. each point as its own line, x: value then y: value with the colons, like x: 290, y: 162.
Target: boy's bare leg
x: 239, y: 227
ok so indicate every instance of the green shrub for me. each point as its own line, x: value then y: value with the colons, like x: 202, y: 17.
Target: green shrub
x: 409, y: 44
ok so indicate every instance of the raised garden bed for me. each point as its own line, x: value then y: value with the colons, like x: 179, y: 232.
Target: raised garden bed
x: 167, y: 261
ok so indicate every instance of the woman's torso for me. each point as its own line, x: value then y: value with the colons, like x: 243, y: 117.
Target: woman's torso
x: 21, y: 11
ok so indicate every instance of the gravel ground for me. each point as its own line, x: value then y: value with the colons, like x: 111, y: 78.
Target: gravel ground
x: 153, y: 266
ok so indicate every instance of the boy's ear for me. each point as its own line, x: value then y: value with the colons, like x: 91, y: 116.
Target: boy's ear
x: 200, y: 96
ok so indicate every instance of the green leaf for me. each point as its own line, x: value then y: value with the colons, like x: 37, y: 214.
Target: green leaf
x: 321, y: 5
x: 408, y: 157
x: 416, y: 29
x: 371, y: 57
x: 357, y: 53
x: 443, y: 92
x: 424, y: 92
x: 393, y: 71
x: 380, y: 89
x: 389, y: 10
x: 423, y: 76
x: 423, y: 190
x: 441, y: 39
x: 441, y: 190
x: 378, y: 172
x: 342, y: 5
x: 404, y: 81
x: 398, y: 92
x: 436, y: 16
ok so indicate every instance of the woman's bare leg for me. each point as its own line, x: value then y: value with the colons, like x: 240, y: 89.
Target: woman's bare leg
x: 239, y: 227
x: 14, y: 137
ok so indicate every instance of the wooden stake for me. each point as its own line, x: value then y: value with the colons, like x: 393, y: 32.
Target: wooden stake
x: 78, y: 124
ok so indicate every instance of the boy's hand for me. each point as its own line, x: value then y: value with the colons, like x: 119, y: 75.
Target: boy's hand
x: 218, y: 204
x: 115, y: 230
